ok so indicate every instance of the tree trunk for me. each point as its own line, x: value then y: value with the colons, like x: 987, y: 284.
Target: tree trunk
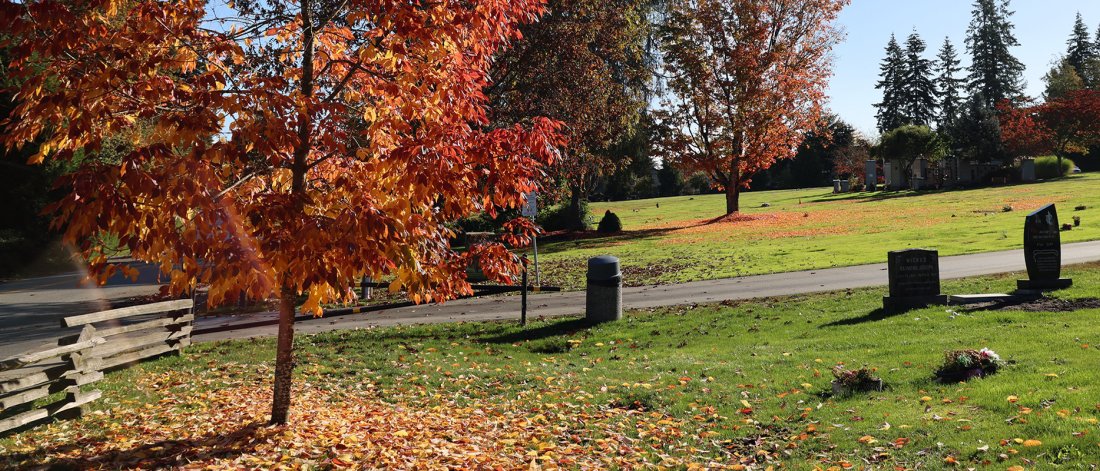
x: 733, y: 193
x: 284, y: 353
x: 284, y: 358
x: 576, y: 212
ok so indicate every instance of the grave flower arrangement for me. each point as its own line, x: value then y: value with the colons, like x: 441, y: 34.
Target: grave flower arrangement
x: 962, y: 365
x: 852, y: 381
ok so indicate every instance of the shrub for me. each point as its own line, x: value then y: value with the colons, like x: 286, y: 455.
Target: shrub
x: 610, y: 224
x: 1047, y: 167
x: 557, y: 217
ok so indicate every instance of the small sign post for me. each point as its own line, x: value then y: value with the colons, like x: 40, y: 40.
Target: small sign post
x: 530, y: 210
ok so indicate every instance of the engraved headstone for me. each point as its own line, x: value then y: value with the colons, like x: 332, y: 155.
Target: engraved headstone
x: 1043, y: 251
x: 914, y: 279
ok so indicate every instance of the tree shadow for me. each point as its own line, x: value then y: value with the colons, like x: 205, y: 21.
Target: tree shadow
x: 877, y: 196
x: 566, y: 327
x: 161, y: 454
x: 873, y: 316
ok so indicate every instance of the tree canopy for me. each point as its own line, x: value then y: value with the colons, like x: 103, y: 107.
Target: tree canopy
x: 747, y: 79
x: 300, y: 145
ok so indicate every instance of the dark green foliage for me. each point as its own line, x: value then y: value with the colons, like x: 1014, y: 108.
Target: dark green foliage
x: 670, y: 180
x: 1047, y: 167
x: 1061, y: 80
x: 610, y: 223
x: 560, y: 217
x: 891, y: 110
x: 994, y: 72
x: 698, y: 184
x: 638, y: 179
x: 1080, y: 49
x: 918, y: 89
x: 949, y: 85
x: 977, y: 133
x: 814, y: 163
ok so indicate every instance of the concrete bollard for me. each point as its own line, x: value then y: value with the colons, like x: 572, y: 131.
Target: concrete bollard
x: 604, y: 300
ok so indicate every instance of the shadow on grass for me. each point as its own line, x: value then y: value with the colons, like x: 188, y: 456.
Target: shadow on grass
x: 873, y: 316
x: 877, y: 196
x: 550, y: 330
x: 83, y: 454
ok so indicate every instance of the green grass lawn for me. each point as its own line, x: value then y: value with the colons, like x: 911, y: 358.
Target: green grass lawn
x: 669, y: 240
x: 744, y: 384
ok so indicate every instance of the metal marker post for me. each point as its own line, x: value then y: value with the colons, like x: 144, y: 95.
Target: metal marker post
x: 530, y: 210
x: 535, y: 243
x: 523, y: 296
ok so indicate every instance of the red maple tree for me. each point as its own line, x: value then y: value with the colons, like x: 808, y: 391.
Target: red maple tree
x: 1068, y: 123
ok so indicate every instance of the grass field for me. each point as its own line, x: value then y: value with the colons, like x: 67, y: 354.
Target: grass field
x: 740, y: 385
x: 670, y: 240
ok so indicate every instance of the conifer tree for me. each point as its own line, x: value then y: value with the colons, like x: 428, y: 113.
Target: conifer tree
x: 891, y: 111
x: 994, y: 72
x: 1080, y: 48
x: 918, y: 88
x: 949, y: 86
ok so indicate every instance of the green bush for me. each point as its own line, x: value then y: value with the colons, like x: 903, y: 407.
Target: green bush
x: 1047, y: 167
x: 610, y: 223
x: 557, y: 217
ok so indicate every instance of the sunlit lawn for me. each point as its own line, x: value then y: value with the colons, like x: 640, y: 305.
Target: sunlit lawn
x: 669, y: 239
x: 736, y: 384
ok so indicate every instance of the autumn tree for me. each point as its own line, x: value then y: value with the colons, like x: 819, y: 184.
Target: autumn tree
x: 747, y: 79
x: 583, y: 63
x: 295, y: 146
x: 1067, y: 124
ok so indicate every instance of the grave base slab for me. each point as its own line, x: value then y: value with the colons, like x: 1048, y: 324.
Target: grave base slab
x: 1041, y: 285
x: 897, y: 303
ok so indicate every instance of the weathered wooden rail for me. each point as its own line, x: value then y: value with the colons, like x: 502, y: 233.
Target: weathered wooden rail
x: 109, y: 340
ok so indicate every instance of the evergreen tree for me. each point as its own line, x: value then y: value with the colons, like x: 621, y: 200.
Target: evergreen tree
x: 995, y: 73
x: 891, y: 111
x: 948, y: 84
x: 976, y: 135
x: 1080, y: 48
x: 918, y: 89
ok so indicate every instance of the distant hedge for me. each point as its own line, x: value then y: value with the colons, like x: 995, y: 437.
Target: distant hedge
x: 1047, y: 167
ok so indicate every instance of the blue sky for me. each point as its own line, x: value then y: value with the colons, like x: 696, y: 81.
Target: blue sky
x: 1042, y: 28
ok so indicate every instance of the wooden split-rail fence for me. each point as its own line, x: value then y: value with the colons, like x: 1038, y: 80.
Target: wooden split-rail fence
x: 109, y: 340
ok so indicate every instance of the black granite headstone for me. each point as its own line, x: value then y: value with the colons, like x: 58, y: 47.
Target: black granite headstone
x: 1043, y: 251
x: 914, y: 279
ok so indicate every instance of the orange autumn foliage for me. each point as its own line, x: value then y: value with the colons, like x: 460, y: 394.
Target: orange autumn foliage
x: 276, y: 148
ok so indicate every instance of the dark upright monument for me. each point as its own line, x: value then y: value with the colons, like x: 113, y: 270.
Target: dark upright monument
x: 914, y: 280
x: 1043, y: 251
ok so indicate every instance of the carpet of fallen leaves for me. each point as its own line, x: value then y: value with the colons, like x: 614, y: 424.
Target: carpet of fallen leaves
x: 194, y: 426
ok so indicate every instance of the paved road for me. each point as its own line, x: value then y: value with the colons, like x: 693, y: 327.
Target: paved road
x: 39, y: 320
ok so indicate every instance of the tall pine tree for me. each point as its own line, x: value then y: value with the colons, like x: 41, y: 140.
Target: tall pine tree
x: 1080, y: 49
x: 995, y: 73
x: 893, y: 72
x: 949, y: 84
x: 919, y: 91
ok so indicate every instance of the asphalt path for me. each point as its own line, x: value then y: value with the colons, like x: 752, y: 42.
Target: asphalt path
x: 30, y: 309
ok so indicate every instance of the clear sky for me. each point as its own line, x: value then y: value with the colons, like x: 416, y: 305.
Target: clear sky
x: 1042, y: 28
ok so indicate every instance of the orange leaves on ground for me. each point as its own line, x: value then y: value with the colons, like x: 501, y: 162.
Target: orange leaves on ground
x: 225, y: 429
